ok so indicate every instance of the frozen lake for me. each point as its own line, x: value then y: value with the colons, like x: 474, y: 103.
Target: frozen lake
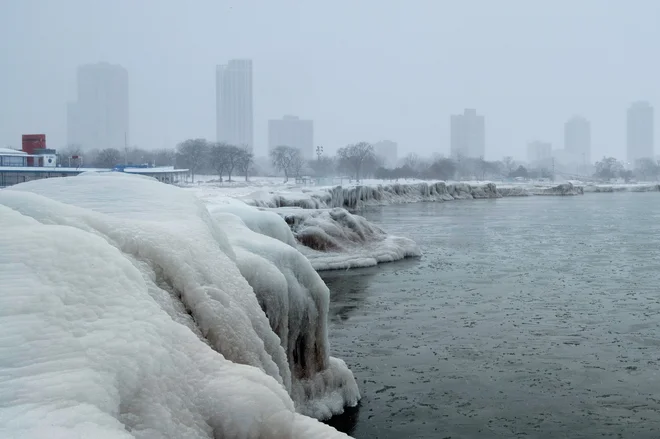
x: 534, y: 317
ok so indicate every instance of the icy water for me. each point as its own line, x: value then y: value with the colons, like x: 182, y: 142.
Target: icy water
x: 533, y: 317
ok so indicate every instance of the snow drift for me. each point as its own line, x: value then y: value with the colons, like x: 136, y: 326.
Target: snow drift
x: 355, y: 197
x: 124, y: 313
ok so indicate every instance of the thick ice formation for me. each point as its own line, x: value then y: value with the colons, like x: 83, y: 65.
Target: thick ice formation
x: 355, y: 197
x: 296, y: 301
x: 134, y: 321
x: 561, y: 189
x: 336, y: 239
x: 331, y: 239
x: 607, y: 188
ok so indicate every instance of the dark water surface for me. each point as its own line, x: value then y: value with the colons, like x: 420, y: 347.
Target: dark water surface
x: 536, y: 317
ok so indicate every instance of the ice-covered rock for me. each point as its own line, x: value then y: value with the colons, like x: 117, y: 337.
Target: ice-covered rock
x: 561, y: 189
x: 336, y: 239
x: 127, y: 291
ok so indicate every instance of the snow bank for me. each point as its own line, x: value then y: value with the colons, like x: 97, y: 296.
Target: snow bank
x: 336, y: 239
x: 128, y: 291
x: 355, y: 197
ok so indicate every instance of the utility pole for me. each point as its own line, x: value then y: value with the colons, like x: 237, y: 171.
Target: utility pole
x: 125, y: 149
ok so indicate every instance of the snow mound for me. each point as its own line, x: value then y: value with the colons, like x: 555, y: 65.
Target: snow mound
x: 124, y: 314
x: 336, y: 239
x: 355, y: 197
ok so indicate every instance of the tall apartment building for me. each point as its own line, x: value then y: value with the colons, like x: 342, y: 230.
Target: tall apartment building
x: 577, y: 140
x: 468, y: 135
x: 387, y: 151
x: 99, y: 118
x: 234, y: 105
x: 640, y: 132
x: 292, y: 131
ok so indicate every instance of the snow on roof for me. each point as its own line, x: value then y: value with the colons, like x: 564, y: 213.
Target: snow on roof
x: 9, y: 151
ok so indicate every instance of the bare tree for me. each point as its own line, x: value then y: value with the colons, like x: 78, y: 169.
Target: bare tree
x: 245, y: 160
x: 411, y: 160
x: 108, y: 158
x: 509, y: 164
x: 297, y: 165
x: 283, y: 158
x: 164, y: 157
x: 353, y: 157
x: 233, y: 157
x: 218, y: 158
x: 193, y: 153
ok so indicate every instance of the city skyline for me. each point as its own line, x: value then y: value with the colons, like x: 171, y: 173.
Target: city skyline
x: 399, y: 76
x: 103, y: 84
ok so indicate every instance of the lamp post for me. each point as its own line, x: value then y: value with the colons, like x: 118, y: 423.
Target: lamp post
x: 319, y: 152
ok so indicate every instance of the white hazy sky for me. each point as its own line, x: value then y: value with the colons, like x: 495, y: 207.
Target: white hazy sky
x: 362, y: 70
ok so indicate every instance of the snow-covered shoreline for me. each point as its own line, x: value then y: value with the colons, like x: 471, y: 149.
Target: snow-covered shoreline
x: 130, y: 310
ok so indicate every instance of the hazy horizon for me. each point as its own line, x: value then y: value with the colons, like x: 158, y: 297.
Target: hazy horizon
x: 362, y: 71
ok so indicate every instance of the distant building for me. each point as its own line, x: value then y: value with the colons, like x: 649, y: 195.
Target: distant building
x: 577, y: 139
x: 234, y: 113
x: 640, y: 133
x: 99, y: 118
x: 387, y: 151
x: 292, y: 131
x: 539, y: 152
x: 468, y: 135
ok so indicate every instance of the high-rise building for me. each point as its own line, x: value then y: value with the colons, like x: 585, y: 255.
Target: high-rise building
x: 234, y: 116
x: 577, y: 140
x: 640, y: 132
x: 539, y: 152
x: 387, y: 151
x: 100, y: 116
x: 468, y: 135
x: 294, y: 132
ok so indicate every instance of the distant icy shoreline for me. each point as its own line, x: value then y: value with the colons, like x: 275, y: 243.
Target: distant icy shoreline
x: 355, y: 197
x: 332, y: 237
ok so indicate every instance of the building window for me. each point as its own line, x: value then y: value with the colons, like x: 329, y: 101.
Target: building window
x: 9, y: 160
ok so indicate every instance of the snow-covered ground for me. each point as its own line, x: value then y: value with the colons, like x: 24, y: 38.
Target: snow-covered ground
x: 129, y: 310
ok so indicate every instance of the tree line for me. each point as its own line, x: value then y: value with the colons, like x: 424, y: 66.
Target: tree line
x: 355, y: 161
